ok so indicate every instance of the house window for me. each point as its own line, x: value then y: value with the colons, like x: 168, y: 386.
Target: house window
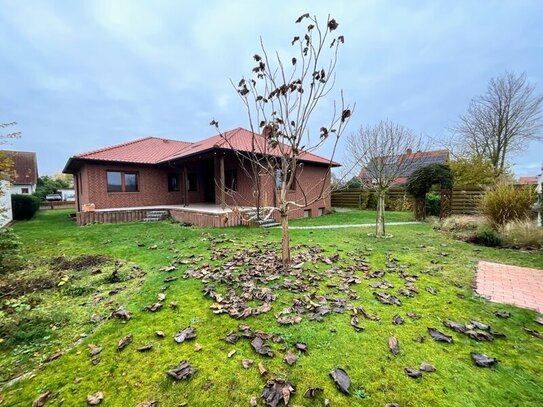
x: 321, y: 211
x: 192, y: 181
x: 279, y: 180
x: 231, y: 180
x: 24, y: 190
x: 307, y: 213
x: 120, y: 181
x: 173, y: 182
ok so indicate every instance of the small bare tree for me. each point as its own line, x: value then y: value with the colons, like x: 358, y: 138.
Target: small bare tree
x: 385, y: 152
x: 501, y: 121
x: 281, y: 97
x: 6, y: 164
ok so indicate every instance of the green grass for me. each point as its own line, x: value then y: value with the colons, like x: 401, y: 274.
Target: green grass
x: 354, y: 217
x: 128, y: 377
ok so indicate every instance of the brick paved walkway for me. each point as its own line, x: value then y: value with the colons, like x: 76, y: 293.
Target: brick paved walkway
x: 520, y: 286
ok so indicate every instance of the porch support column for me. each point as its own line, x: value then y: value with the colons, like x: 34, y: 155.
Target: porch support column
x: 185, y: 186
x: 221, y: 181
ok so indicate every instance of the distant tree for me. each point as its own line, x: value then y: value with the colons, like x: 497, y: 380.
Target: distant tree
x: 354, y: 183
x: 48, y: 185
x: 281, y: 98
x: 502, y: 121
x: 476, y: 171
x: 381, y: 151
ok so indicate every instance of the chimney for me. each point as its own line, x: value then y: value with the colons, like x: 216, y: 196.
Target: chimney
x: 409, y: 151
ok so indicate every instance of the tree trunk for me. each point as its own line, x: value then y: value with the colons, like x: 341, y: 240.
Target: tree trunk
x: 380, y: 224
x: 285, y: 243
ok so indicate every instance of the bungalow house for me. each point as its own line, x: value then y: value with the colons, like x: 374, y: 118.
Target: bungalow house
x: 412, y: 160
x: 25, y: 171
x: 126, y: 181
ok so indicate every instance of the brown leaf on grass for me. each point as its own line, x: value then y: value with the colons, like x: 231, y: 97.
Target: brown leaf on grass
x: 261, y: 347
x: 354, y: 324
x: 152, y: 403
x: 479, y: 336
x: 455, y: 326
x: 439, y: 336
x: 145, y: 348
x: 261, y: 369
x: 301, y: 346
x: 160, y: 334
x: 397, y: 320
x: 483, y: 360
x: 534, y: 333
x: 478, y: 325
x: 413, y: 315
x: 124, y: 342
x: 232, y: 338
x: 40, y: 401
x: 253, y: 402
x: 186, y: 334
x: 247, y: 363
x: 290, y: 358
x: 95, y: 399
x: 183, y: 371
x: 153, y: 307
x: 94, y: 349
x: 387, y: 299
x: 341, y: 379
x: 413, y: 373
x: 54, y: 356
x: 361, y: 310
x: 231, y: 353
x: 502, y: 314
x: 431, y: 290
x: 122, y: 314
x: 197, y: 347
x: 427, y: 367
x: 289, y: 319
x: 277, y: 391
x: 393, y: 345
x: 312, y: 392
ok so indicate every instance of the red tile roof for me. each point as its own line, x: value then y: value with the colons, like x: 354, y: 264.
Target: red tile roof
x: 148, y: 150
x: 154, y: 150
x: 241, y: 140
x: 529, y: 180
x: 25, y: 166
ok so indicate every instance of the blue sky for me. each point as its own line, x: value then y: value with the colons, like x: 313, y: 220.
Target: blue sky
x: 86, y: 74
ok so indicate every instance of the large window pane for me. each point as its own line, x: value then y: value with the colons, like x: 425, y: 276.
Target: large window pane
x: 173, y: 182
x: 130, y: 182
x: 114, y: 181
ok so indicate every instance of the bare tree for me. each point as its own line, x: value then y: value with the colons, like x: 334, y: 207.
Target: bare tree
x: 502, y: 120
x: 6, y: 164
x: 281, y: 98
x: 385, y: 152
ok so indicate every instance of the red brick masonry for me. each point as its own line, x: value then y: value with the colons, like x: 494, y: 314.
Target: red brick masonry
x: 520, y: 286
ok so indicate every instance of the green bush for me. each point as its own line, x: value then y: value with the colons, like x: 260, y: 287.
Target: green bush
x: 522, y: 234
x: 433, y: 203
x: 9, y: 250
x: 489, y: 237
x: 24, y: 206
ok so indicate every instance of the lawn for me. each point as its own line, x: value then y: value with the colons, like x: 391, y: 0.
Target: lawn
x: 39, y: 324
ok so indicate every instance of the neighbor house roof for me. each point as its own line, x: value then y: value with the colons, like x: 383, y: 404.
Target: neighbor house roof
x: 530, y: 180
x: 25, y: 166
x: 412, y: 160
x: 154, y: 150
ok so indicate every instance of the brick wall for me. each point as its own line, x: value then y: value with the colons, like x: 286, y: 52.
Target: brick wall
x: 152, y: 187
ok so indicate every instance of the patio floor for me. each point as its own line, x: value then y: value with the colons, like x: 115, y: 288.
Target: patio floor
x: 520, y: 286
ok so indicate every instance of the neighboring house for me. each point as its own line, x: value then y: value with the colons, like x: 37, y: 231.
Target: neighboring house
x: 68, y: 194
x: 152, y: 172
x: 6, y: 215
x: 416, y: 160
x: 530, y: 180
x: 25, y: 171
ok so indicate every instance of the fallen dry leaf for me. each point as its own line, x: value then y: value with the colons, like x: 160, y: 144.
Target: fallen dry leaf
x: 341, y: 379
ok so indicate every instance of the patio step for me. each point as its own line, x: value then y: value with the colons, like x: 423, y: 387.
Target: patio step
x: 271, y: 224
x: 155, y: 216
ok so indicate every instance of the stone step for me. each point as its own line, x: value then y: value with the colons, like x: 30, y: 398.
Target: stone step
x: 155, y: 213
x: 262, y: 222
x: 270, y: 225
x: 152, y: 219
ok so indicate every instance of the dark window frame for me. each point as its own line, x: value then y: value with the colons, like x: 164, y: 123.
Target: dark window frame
x: 123, y: 181
x: 177, y: 186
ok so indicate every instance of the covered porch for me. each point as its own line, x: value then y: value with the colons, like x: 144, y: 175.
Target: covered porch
x: 200, y: 214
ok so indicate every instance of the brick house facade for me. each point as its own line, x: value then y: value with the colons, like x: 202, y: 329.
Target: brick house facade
x: 155, y: 172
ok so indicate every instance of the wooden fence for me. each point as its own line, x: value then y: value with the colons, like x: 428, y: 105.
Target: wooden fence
x: 464, y: 200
